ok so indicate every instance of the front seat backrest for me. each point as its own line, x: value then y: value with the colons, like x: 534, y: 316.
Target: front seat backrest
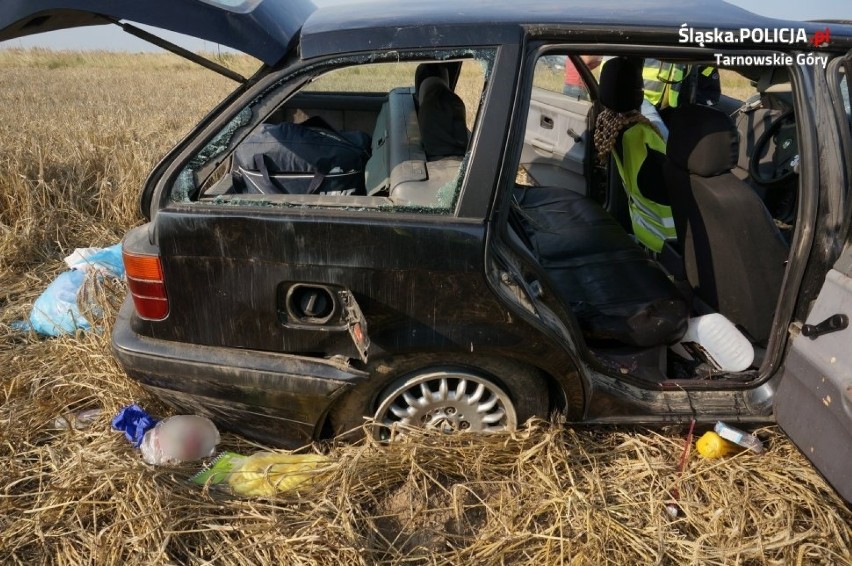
x: 734, y: 255
x: 442, y: 120
x: 638, y: 152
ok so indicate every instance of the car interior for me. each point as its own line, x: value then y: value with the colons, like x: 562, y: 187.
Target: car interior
x: 701, y: 306
x: 418, y: 135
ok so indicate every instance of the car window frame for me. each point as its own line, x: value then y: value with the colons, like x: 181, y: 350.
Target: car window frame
x: 834, y: 86
x: 801, y: 83
x: 289, y: 81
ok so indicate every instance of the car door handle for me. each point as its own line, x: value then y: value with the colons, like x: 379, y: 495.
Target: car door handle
x: 834, y: 323
x: 546, y: 122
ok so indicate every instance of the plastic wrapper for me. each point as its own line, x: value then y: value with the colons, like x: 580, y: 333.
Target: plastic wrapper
x: 81, y: 420
x: 182, y: 438
x: 739, y: 437
x: 263, y: 474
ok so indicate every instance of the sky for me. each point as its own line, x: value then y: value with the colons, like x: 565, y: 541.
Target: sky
x: 112, y: 38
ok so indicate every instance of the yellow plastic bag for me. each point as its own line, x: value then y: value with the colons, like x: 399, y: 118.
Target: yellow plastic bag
x: 267, y: 473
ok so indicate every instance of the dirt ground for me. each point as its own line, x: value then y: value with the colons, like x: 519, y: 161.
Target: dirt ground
x: 78, y: 134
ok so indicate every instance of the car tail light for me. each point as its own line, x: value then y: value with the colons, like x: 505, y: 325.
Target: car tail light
x: 146, y: 284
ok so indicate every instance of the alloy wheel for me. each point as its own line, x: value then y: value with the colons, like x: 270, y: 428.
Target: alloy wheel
x: 449, y: 401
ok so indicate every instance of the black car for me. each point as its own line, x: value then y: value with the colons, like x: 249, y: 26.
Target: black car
x: 482, y: 264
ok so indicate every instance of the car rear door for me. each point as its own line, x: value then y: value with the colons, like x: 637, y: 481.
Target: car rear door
x: 813, y: 404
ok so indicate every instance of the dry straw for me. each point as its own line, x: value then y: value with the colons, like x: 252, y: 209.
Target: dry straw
x: 546, y: 495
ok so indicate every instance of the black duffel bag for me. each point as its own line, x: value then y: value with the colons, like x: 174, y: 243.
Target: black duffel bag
x: 305, y: 158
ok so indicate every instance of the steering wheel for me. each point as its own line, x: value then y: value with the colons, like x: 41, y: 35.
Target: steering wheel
x: 785, y: 154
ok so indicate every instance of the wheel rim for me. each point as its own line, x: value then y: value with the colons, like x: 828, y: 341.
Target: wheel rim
x: 446, y: 401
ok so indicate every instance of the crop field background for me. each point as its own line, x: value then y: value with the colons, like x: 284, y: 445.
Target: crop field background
x: 78, y: 134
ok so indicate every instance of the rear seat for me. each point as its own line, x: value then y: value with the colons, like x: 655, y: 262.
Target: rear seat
x: 399, y: 163
x: 617, y: 292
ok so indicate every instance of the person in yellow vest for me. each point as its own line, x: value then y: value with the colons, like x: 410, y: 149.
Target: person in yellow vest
x: 661, y: 82
x: 637, y: 148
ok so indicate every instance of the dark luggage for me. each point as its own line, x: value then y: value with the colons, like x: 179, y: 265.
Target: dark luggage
x: 305, y: 158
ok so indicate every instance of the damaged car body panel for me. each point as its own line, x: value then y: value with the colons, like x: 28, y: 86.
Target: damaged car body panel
x: 245, y: 390
x: 242, y: 265
x: 446, y: 283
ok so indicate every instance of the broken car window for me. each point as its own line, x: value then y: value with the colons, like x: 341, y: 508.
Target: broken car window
x: 383, y: 135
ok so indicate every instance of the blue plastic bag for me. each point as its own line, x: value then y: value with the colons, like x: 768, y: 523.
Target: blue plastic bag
x: 134, y: 422
x: 106, y: 260
x: 55, y: 311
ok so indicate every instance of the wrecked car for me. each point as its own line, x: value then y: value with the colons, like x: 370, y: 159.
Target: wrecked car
x: 481, y: 262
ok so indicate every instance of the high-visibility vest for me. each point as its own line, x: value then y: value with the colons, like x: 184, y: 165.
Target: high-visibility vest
x: 655, y: 88
x: 652, y: 222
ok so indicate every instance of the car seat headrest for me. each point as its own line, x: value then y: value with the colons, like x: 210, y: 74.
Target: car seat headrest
x: 426, y: 70
x: 773, y: 78
x: 620, y: 85
x: 442, y: 120
x: 702, y: 140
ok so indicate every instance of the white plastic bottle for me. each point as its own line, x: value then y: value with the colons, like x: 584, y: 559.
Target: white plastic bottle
x: 716, y: 339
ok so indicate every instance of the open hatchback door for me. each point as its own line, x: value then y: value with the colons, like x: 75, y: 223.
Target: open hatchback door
x: 263, y: 29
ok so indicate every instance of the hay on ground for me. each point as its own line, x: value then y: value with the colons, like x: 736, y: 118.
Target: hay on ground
x: 77, y: 136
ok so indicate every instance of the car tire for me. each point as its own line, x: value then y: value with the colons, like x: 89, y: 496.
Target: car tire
x: 520, y: 391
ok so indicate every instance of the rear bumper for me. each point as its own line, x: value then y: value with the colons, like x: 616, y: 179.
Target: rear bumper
x: 279, y: 399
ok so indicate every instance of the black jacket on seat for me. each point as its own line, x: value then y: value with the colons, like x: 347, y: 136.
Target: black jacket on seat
x: 614, y: 288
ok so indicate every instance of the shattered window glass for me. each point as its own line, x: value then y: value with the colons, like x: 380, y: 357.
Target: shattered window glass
x: 360, y: 135
x: 186, y: 182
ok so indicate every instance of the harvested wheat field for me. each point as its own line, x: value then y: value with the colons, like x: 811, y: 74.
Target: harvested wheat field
x: 78, y: 134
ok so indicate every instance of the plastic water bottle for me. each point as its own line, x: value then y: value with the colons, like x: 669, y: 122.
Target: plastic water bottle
x: 181, y: 438
x: 715, y: 340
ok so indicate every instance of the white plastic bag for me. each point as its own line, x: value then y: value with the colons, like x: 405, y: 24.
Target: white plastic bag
x: 181, y: 438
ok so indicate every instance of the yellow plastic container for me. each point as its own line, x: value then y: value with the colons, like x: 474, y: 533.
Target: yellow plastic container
x: 711, y: 445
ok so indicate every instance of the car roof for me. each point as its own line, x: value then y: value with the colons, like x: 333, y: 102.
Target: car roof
x: 339, y: 28
x: 267, y: 29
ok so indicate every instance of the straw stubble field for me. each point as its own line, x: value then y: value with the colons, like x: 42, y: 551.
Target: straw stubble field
x: 78, y: 133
